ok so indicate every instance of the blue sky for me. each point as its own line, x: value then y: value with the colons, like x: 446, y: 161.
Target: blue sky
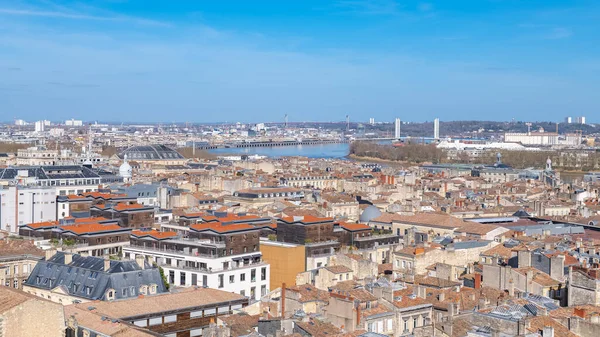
x: 252, y: 61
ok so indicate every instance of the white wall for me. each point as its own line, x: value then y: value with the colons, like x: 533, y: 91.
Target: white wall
x: 19, y: 206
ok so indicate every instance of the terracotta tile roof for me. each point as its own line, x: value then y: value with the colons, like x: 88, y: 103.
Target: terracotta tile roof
x: 317, y: 328
x: 220, y: 228
x: 537, y: 324
x: 10, y: 298
x: 105, y: 196
x: 91, y: 320
x: 80, y: 229
x: 127, y: 207
x: 406, y: 301
x: 539, y: 277
x: 309, y: 293
x: 17, y: 247
x: 343, y: 287
x: 156, y: 304
x: 499, y: 250
x: 354, y: 226
x: 378, y: 310
x: 154, y: 234
x: 240, y: 324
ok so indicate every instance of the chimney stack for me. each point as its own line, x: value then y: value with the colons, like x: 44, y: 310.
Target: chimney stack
x: 50, y: 253
x: 106, y: 264
x: 68, y: 258
x: 139, y: 259
x: 477, y: 277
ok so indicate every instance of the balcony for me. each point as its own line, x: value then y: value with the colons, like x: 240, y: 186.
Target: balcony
x: 182, y: 266
x: 157, y: 250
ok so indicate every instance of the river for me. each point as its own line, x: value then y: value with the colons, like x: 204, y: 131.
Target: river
x: 310, y: 151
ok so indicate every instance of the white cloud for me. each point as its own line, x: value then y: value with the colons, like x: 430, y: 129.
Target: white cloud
x: 78, y: 16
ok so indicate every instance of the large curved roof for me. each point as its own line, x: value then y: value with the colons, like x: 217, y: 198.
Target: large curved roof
x: 370, y: 213
x: 151, y: 152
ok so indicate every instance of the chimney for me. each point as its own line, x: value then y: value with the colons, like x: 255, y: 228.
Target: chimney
x: 477, y: 277
x: 50, y: 253
x: 283, y: 300
x: 357, y: 315
x: 495, y: 332
x: 548, y: 331
x: 68, y: 258
x: 106, y: 264
x: 139, y: 259
x: 442, y: 296
x: 511, y: 288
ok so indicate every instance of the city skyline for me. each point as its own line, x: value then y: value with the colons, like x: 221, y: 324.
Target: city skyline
x: 238, y: 62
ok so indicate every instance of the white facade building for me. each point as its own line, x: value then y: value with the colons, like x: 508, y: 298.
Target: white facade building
x: 581, y: 120
x: 397, y: 125
x: 25, y: 205
x: 436, y: 128
x: 65, y: 180
x: 73, y: 122
x: 244, y: 273
x: 39, y: 126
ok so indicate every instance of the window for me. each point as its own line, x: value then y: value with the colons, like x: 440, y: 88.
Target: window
x: 243, y: 292
x: 263, y: 290
x: 144, y: 289
x: 415, y: 322
x: 153, y: 288
x: 253, y: 275
x: 16, y: 284
x: 406, y: 325
x: 231, y: 278
x: 182, y: 278
x: 110, y: 295
x: 124, y: 292
x: 221, y: 285
x: 242, y: 277
x: 263, y: 273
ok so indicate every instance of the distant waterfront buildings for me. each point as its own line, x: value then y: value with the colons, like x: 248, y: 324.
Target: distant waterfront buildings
x: 73, y: 122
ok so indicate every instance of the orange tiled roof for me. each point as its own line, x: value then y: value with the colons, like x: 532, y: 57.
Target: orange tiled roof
x: 154, y: 234
x: 80, y: 229
x: 220, y: 228
x: 354, y: 226
x: 126, y: 207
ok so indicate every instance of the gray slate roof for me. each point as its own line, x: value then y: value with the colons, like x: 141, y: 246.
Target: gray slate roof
x: 85, y: 277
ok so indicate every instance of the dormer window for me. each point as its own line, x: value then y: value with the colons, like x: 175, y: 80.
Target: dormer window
x: 153, y: 288
x: 144, y: 290
x: 110, y: 294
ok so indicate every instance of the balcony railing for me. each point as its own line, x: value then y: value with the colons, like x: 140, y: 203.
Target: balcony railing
x: 173, y: 251
x: 215, y: 270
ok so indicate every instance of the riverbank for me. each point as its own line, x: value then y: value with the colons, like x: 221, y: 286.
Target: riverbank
x: 379, y: 160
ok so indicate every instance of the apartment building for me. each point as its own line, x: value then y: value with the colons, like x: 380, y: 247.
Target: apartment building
x: 92, y: 236
x: 23, y: 204
x: 65, y: 179
x: 225, y: 257
x: 17, y: 260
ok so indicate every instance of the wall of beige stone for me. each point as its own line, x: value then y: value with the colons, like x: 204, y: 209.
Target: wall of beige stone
x: 35, y: 318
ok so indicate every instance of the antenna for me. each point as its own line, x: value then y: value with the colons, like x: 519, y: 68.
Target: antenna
x: 285, y: 121
x: 347, y: 122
